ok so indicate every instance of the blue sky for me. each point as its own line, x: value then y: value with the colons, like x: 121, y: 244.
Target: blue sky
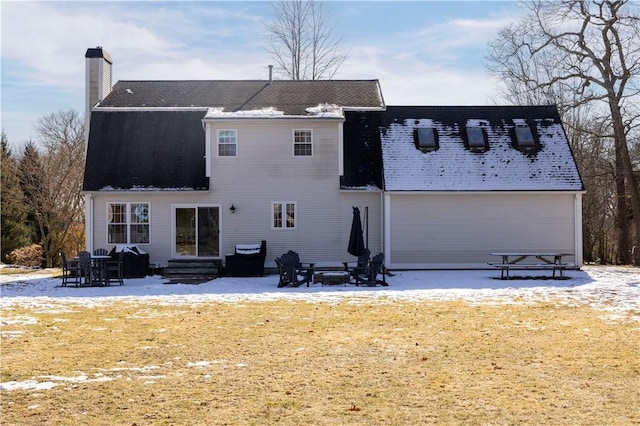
x: 423, y: 52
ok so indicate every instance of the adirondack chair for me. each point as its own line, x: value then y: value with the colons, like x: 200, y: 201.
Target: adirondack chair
x: 101, y: 252
x: 369, y: 276
x: 361, y: 266
x: 291, y: 273
x: 303, y: 268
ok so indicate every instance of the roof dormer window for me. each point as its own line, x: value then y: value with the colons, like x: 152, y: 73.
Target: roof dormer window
x: 426, y: 139
x: 477, y: 139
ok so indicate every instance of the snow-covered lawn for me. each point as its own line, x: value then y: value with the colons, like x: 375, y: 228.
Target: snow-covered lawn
x: 612, y: 288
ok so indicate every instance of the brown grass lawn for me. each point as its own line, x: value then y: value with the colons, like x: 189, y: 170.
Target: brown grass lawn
x: 356, y: 362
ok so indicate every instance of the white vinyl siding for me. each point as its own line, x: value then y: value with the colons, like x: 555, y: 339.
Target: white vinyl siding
x: 269, y: 172
x: 449, y: 230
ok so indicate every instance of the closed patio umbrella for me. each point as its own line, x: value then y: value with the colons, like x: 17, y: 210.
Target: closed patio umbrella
x: 356, y: 241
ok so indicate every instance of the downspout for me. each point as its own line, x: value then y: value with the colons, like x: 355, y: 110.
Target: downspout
x: 386, y: 228
x: 88, y: 222
x: 366, y: 232
x: 578, y: 230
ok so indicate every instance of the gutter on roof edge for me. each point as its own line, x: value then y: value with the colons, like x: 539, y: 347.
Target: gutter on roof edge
x: 493, y: 191
x: 136, y: 109
x: 364, y: 109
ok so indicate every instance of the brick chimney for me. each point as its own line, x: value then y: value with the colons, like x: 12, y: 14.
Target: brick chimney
x: 97, y: 79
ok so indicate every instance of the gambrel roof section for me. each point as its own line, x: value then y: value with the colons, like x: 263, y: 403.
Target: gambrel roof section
x: 146, y: 151
x: 526, y: 149
x: 148, y: 135
x: 292, y: 97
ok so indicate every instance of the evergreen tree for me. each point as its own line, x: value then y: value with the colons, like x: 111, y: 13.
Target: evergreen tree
x: 14, y: 229
x: 30, y: 173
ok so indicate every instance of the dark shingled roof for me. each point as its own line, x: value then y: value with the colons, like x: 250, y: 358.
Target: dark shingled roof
x: 370, y: 159
x: 290, y: 96
x: 142, y: 150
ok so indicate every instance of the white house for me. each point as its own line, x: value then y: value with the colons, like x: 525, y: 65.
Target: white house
x: 189, y: 169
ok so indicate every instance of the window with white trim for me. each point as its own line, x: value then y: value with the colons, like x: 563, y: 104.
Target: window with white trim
x: 302, y: 143
x: 284, y: 215
x: 227, y: 143
x: 128, y: 223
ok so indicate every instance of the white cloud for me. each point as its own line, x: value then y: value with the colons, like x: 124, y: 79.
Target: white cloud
x: 164, y: 42
x: 43, y: 47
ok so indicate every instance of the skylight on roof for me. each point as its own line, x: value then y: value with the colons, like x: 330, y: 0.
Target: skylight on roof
x: 426, y: 138
x: 524, y: 136
x: 477, y: 139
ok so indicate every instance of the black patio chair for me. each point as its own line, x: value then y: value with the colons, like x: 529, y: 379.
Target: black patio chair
x: 113, y: 269
x: 89, y: 271
x: 291, y: 274
x: 306, y: 268
x: 369, y: 276
x: 101, y: 252
x: 70, y: 271
x: 361, y: 266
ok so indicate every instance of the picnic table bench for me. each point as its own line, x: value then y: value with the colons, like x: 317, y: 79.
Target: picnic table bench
x: 530, y: 261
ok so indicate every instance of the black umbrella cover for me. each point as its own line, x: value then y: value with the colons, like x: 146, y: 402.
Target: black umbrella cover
x: 356, y: 240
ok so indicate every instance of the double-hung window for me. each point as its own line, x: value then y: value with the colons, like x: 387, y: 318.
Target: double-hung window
x: 302, y: 143
x: 227, y: 143
x: 284, y: 215
x: 128, y: 223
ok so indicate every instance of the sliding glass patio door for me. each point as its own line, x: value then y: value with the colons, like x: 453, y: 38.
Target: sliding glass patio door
x: 197, y: 231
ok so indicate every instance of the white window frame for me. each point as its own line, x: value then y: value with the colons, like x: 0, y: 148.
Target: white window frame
x: 305, y: 143
x: 220, y: 144
x: 129, y: 223
x: 283, y: 206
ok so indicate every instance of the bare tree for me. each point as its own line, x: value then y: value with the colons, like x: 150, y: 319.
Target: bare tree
x: 302, y: 41
x: 52, y: 180
x: 588, y: 51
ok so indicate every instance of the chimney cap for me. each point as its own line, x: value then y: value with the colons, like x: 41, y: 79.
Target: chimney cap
x: 98, y: 52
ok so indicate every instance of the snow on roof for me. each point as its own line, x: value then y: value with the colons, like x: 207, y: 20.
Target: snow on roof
x: 453, y: 167
x: 318, y: 111
x: 255, y: 113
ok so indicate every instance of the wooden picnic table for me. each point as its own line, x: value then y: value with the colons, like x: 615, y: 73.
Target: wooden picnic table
x: 530, y: 260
